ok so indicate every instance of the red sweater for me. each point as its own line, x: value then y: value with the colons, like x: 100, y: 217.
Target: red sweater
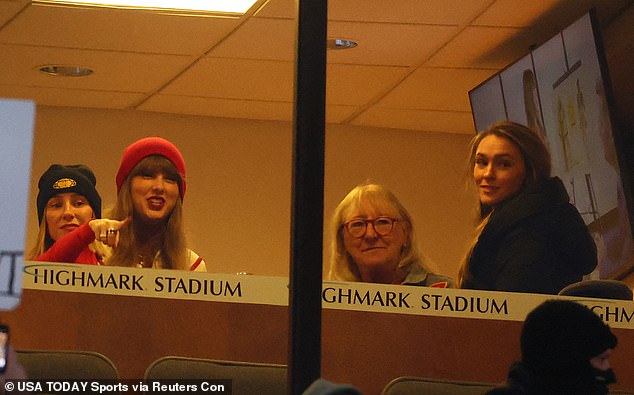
x: 72, y: 248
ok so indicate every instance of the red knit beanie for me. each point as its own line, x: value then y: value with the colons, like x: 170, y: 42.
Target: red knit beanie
x: 146, y: 147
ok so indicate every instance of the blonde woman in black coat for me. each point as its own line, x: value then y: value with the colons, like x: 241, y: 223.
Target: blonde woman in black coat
x: 531, y: 238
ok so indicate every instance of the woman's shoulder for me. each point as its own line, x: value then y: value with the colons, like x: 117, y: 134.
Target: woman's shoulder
x: 562, y: 221
x: 419, y: 276
x: 195, y: 262
x: 543, y: 222
x: 439, y: 281
x: 538, y: 200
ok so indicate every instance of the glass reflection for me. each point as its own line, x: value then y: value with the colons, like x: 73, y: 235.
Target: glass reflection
x: 189, y: 79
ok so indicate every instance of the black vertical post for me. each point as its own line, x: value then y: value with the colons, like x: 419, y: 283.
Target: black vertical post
x: 307, y: 196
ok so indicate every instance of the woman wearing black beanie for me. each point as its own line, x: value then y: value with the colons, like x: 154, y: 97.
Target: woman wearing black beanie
x: 66, y: 202
x: 565, y: 351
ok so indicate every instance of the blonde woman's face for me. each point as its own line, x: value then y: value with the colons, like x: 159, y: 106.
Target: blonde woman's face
x: 65, y: 212
x: 499, y: 170
x: 373, y: 251
x: 153, y: 196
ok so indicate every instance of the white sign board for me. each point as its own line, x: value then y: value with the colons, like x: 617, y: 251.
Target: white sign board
x: 16, y: 146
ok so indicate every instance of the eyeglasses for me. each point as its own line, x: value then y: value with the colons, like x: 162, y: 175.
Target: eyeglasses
x: 358, y: 227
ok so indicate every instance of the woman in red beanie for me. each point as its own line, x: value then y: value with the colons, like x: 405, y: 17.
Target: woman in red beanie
x: 146, y: 229
x: 67, y: 200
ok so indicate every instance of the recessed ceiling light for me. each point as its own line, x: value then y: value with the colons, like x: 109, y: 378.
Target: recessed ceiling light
x: 339, y: 43
x: 221, y: 6
x: 65, y: 71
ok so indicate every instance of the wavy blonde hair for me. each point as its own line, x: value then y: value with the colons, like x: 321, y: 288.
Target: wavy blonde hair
x: 171, y: 240
x: 342, y: 267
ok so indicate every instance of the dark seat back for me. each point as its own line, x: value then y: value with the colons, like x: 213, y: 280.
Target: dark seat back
x: 426, y: 386
x: 246, y: 377
x: 605, y: 289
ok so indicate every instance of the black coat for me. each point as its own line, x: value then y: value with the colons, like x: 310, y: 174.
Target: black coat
x: 522, y: 381
x: 534, y: 242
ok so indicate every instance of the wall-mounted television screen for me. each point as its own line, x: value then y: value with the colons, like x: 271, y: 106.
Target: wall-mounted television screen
x: 559, y: 89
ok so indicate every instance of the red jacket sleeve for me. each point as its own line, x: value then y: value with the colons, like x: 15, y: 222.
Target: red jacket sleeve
x: 69, y: 247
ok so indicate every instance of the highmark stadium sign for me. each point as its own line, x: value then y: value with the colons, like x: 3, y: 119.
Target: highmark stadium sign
x: 380, y: 298
x: 154, y: 283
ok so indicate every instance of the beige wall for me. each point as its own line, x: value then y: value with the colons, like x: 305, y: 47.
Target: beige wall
x: 239, y: 173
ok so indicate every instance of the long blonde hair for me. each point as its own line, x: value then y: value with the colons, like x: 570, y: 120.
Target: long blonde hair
x: 342, y: 267
x: 538, y: 168
x: 172, y: 239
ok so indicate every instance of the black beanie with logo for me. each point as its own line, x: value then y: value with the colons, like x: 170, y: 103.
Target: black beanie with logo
x: 68, y: 179
x: 562, y: 334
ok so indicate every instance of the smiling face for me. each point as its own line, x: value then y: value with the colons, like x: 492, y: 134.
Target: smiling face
x: 65, y: 212
x: 154, y: 196
x: 499, y: 170
x: 376, y: 256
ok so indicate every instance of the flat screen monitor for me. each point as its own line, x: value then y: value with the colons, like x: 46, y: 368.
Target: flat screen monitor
x: 560, y: 90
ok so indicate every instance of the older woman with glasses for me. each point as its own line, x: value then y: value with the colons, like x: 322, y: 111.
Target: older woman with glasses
x: 373, y: 241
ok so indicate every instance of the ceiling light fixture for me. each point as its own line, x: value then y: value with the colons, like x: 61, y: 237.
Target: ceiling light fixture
x: 65, y: 71
x: 339, y: 43
x: 220, y: 6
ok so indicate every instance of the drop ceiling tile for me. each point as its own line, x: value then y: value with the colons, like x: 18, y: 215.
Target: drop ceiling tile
x: 357, y: 85
x: 338, y: 114
x: 115, y: 29
x: 436, y: 89
x: 114, y: 71
x: 237, y: 79
x: 388, y: 43
x: 377, y: 76
x: 8, y: 9
x: 225, y: 108
x: 277, y: 9
x: 429, y: 121
x: 513, y: 13
x: 481, y: 47
x: 442, y: 12
x: 17, y: 3
x: 260, y: 38
x: 71, y: 97
x: 247, y: 109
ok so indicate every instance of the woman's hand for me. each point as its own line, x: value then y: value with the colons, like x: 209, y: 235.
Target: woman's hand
x: 107, y: 230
